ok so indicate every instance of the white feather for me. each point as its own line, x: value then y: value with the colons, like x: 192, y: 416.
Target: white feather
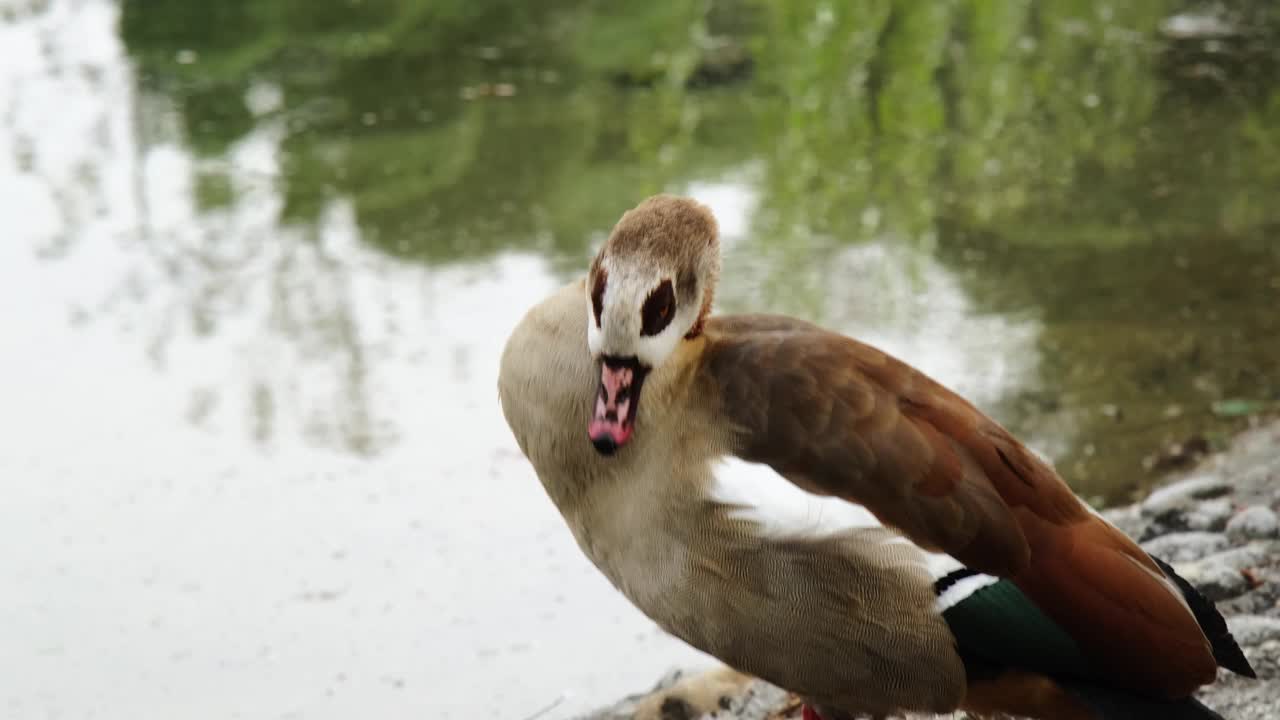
x: 783, y: 509
x: 963, y: 589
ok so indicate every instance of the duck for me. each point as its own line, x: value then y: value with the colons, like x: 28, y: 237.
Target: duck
x: 817, y: 513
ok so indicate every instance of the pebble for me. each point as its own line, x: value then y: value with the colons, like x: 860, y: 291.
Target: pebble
x: 1210, y: 515
x: 1182, y: 496
x: 1181, y: 547
x: 1245, y: 556
x: 1215, y: 581
x: 1254, y: 523
x: 1250, y: 630
x: 1220, y: 576
x: 1264, y: 474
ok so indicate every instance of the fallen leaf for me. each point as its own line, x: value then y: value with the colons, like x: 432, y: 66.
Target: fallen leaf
x: 1238, y: 407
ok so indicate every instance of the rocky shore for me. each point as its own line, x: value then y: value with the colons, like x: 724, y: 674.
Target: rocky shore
x: 1217, y: 525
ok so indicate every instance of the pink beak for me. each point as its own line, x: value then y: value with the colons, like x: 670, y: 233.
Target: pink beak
x: 613, y: 419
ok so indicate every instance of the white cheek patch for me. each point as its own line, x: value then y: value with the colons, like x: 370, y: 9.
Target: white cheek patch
x: 783, y: 509
x: 651, y: 350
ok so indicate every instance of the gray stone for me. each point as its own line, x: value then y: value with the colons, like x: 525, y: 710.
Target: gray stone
x: 1246, y: 556
x: 1214, y: 580
x: 1181, y: 496
x: 1250, y: 630
x: 1220, y: 576
x: 1209, y: 516
x: 1263, y: 473
x: 1254, y: 523
x: 1243, y: 699
x: 1181, y: 547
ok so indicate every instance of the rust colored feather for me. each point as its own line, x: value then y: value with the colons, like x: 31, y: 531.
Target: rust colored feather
x: 1024, y: 694
x: 1108, y: 595
x: 841, y: 418
x: 871, y: 447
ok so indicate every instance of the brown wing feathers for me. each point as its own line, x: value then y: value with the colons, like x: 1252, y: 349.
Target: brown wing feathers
x: 807, y: 409
x: 843, y: 419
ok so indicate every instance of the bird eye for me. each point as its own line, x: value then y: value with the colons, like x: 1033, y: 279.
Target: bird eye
x: 658, y: 309
x: 597, y: 294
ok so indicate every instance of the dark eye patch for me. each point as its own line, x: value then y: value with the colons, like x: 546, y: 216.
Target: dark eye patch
x: 597, y: 294
x: 658, y: 309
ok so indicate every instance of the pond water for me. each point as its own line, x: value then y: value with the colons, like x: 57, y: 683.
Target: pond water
x: 261, y: 257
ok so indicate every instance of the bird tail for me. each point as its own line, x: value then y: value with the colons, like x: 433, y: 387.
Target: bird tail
x: 1226, y: 651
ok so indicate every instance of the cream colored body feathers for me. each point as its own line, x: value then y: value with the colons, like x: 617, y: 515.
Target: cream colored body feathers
x: 648, y: 520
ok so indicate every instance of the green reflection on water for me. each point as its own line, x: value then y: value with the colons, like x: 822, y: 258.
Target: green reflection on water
x: 1068, y: 160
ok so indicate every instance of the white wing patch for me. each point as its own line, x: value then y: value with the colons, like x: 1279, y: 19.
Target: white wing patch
x: 963, y: 589
x: 783, y: 509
